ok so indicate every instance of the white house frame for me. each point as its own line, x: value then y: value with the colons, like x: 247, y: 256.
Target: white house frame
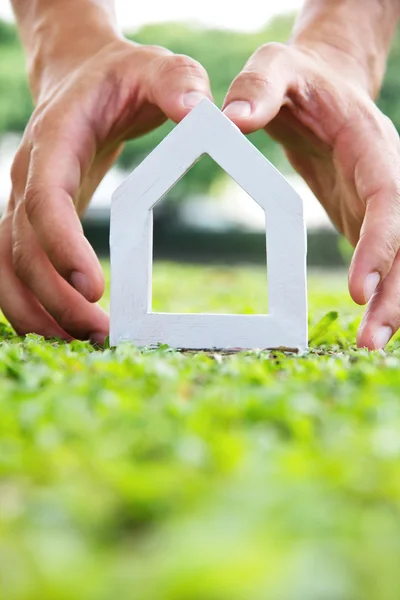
x: 206, y: 130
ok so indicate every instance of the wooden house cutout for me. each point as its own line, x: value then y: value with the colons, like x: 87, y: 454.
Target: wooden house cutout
x: 206, y: 130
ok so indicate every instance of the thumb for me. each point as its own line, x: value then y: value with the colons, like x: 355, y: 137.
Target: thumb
x: 177, y: 83
x: 257, y: 94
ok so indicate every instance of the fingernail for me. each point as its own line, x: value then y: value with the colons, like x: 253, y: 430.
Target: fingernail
x: 98, y: 337
x: 238, y: 108
x: 381, y: 337
x: 81, y: 283
x: 370, y: 284
x: 191, y: 99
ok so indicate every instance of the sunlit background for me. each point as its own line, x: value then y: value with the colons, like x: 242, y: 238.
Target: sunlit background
x: 249, y: 17
x: 133, y: 474
x: 206, y: 202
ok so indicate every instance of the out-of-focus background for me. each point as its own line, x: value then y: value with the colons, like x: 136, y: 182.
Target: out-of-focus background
x: 206, y: 217
x: 141, y: 474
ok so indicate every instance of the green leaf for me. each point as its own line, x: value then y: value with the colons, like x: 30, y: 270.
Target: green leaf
x: 319, y: 330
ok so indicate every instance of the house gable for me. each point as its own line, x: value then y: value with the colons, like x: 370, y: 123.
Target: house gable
x: 206, y: 130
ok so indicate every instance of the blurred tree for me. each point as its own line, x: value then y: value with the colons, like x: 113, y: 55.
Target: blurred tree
x: 223, y: 54
x: 15, y: 99
x: 388, y: 100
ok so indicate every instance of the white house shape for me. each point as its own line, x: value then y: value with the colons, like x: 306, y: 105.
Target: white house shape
x: 206, y: 130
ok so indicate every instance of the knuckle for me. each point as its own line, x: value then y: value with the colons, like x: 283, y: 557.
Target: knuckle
x: 17, y: 172
x: 273, y: 49
x: 182, y: 64
x: 256, y: 68
x: 42, y: 123
x: 390, y: 246
x: 21, y: 261
x: 155, y: 51
x: 37, y: 127
x: 255, y: 79
x: 378, y: 124
x: 33, y: 201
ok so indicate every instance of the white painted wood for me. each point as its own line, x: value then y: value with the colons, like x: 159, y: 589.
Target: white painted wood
x: 206, y: 130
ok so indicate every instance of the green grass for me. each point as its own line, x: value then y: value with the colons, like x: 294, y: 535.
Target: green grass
x: 156, y: 475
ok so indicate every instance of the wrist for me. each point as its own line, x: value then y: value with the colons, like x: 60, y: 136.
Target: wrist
x: 65, y: 36
x: 350, y: 36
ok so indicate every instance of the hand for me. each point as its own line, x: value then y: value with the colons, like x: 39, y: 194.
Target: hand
x: 346, y: 150
x: 50, y: 275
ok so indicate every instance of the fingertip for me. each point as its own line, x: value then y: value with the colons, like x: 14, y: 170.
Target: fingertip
x: 176, y: 83
x: 370, y: 285
x: 356, y: 290
x: 364, y: 339
x: 248, y: 114
x: 363, y: 284
x: 382, y: 337
x: 91, y: 288
x: 373, y: 336
x: 238, y: 109
x: 98, y: 338
x: 102, y: 328
x: 243, y: 114
x: 360, y: 287
x: 192, y: 99
x: 85, y: 273
x: 179, y: 105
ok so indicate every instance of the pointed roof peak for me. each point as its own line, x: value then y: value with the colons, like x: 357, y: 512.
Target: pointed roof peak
x: 206, y: 130
x: 208, y: 108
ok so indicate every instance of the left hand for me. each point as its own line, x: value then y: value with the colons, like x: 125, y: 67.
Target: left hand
x: 51, y: 278
x: 346, y: 150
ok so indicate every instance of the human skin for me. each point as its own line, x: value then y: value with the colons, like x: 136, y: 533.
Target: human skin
x: 316, y: 97
x: 93, y: 89
x: 92, y: 92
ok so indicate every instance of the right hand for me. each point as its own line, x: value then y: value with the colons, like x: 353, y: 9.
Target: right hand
x: 51, y: 278
x: 313, y: 100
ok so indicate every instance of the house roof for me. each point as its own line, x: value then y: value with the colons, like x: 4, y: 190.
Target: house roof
x: 206, y: 130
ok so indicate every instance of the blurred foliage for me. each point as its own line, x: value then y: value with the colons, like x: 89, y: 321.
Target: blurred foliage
x: 345, y: 249
x: 15, y: 99
x: 388, y: 101
x: 158, y: 475
x: 222, y: 53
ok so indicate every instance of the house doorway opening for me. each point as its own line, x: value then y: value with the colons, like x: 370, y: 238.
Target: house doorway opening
x: 209, y: 246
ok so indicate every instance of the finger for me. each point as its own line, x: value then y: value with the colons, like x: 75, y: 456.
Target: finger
x: 98, y: 169
x: 74, y: 314
x: 382, y: 317
x: 259, y: 91
x: 19, y: 171
x: 176, y: 83
x: 53, y: 179
x: 377, y: 175
x: 18, y: 304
